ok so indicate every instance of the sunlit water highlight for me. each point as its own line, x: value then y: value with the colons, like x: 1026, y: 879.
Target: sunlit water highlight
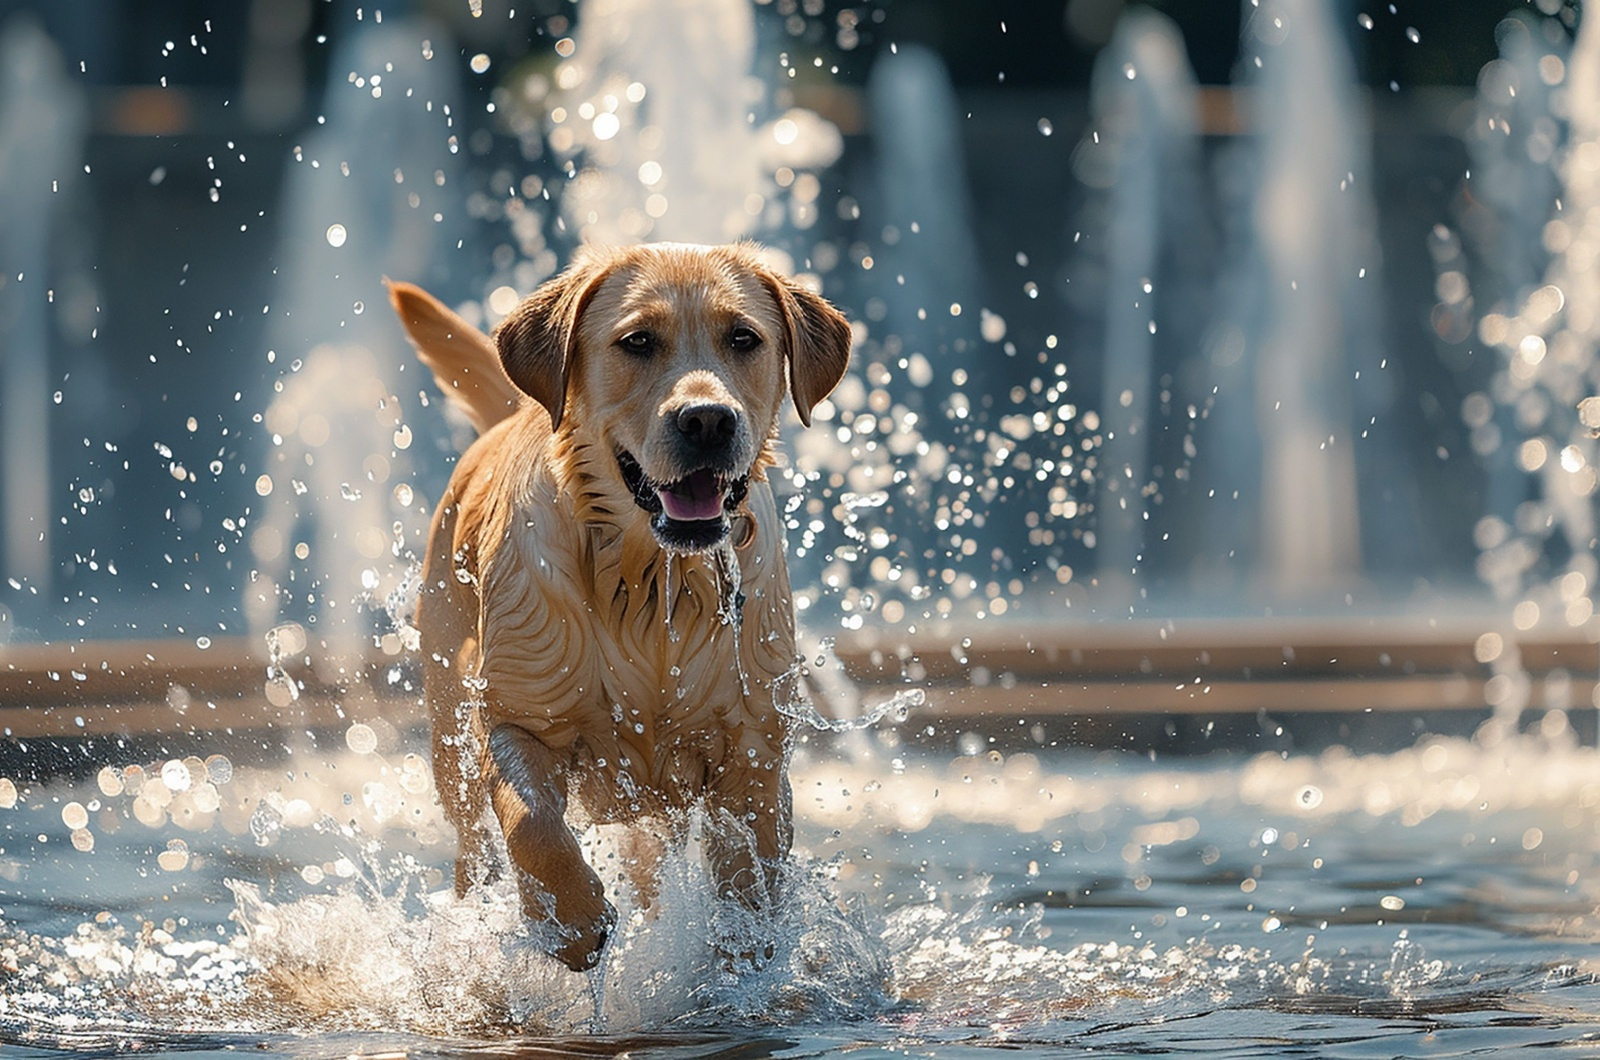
x: 1033, y: 898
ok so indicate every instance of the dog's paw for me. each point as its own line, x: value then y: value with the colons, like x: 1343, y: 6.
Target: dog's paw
x: 580, y: 944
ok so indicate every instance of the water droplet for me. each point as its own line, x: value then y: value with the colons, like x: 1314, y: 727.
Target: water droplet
x: 175, y: 858
x: 1412, y: 35
x: 361, y: 739
x: 175, y: 775
x: 336, y: 235
x: 479, y: 63
x: 264, y: 486
x: 1046, y: 127
x: 266, y: 823
x: 349, y: 492
x: 1392, y: 902
x: 202, y: 643
x: 74, y: 816
x: 219, y: 769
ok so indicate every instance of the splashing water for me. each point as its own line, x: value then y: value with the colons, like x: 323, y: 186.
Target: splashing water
x: 284, y: 642
x: 897, y: 708
x: 335, y: 420
x: 659, y: 100
x: 1099, y: 902
x: 668, y: 597
x: 1536, y: 543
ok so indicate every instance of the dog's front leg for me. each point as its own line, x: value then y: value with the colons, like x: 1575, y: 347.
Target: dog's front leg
x: 751, y: 835
x: 528, y: 789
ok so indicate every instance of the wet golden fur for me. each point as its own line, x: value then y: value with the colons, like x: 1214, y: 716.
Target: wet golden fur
x: 574, y: 672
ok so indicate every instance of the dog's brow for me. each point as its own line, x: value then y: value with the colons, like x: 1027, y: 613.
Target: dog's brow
x: 657, y: 307
x: 648, y: 317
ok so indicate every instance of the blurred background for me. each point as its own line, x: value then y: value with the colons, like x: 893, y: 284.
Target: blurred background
x: 1164, y: 312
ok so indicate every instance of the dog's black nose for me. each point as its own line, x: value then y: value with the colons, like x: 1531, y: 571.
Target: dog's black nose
x: 709, y: 426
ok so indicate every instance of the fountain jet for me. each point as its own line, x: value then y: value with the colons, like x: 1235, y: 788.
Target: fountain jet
x: 43, y: 122
x: 370, y: 193
x: 1143, y: 107
x: 1314, y: 246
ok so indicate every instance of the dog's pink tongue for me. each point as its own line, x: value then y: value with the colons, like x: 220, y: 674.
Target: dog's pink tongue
x: 695, y: 497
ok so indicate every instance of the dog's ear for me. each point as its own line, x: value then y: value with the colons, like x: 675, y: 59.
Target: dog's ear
x: 817, y: 346
x: 539, y: 339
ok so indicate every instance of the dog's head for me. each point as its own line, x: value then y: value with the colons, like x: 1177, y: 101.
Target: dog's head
x: 673, y: 358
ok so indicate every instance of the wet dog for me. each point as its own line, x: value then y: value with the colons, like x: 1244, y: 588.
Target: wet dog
x: 605, y: 615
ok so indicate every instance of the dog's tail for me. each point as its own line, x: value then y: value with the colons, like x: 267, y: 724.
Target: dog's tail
x: 463, y: 359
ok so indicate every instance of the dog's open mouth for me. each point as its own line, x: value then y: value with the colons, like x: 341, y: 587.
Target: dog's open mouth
x: 689, y: 514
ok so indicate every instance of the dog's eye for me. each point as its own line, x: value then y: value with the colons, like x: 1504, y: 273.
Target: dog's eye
x: 742, y: 339
x: 639, y: 343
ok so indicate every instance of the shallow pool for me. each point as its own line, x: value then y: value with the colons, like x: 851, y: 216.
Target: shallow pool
x: 1440, y: 900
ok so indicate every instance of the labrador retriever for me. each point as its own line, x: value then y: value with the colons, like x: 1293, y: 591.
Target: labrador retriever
x: 605, y: 616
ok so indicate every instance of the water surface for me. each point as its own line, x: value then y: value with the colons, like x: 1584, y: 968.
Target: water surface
x: 1440, y: 900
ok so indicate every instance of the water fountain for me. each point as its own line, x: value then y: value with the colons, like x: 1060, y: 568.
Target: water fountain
x: 1541, y: 561
x: 1144, y: 117
x: 686, y: 150
x: 43, y: 121
x: 1311, y: 251
x: 930, y: 255
x: 1513, y: 143
x: 371, y: 192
